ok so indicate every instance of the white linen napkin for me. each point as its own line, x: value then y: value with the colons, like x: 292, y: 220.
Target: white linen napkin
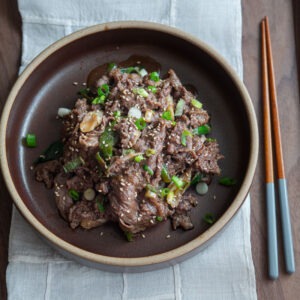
x: 225, y: 269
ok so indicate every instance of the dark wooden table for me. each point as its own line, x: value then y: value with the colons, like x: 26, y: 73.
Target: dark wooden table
x: 280, y: 13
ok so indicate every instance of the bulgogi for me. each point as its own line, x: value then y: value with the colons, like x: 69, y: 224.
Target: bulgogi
x: 131, y: 146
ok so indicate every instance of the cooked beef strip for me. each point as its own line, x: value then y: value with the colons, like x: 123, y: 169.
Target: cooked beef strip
x: 133, y: 193
x: 45, y: 172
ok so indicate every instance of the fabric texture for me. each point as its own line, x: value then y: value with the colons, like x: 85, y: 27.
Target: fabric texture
x: 224, y: 270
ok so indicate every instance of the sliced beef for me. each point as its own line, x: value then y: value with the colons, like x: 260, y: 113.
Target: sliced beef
x: 130, y: 188
x: 128, y: 133
x: 45, y: 172
x: 86, y: 214
x: 207, y: 161
x: 62, y: 197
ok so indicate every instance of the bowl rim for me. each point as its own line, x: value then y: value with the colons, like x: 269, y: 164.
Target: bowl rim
x: 145, y: 260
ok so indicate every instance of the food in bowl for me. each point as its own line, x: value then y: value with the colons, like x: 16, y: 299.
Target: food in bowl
x: 131, y: 147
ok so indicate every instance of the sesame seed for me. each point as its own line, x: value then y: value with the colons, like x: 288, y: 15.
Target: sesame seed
x: 168, y: 236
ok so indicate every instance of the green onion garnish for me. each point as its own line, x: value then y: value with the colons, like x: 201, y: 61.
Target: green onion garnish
x: 165, y: 192
x: 74, y: 194
x: 167, y: 115
x: 140, y: 91
x: 210, y: 140
x: 154, y: 76
x: 227, y: 181
x: 171, y: 200
x: 100, y: 206
x: 159, y: 218
x: 209, y: 218
x: 140, y: 123
x: 148, y: 170
x: 127, y: 151
x: 152, y: 89
x: 129, y: 236
x: 197, y: 178
x: 165, y: 175
x: 150, y: 152
x: 117, y: 114
x: 30, y: 140
x: 196, y: 103
x: 142, y: 72
x: 204, y: 129
x: 111, y: 66
x: 179, y: 108
x: 152, y: 189
x: 54, y: 151
x: 129, y: 70
x: 139, y: 158
x: 103, y: 92
x: 178, y: 182
x: 101, y: 161
x: 107, y: 141
x: 73, y: 164
x: 184, y: 135
x: 85, y: 93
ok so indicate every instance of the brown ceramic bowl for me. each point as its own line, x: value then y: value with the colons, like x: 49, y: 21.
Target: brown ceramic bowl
x: 46, y: 85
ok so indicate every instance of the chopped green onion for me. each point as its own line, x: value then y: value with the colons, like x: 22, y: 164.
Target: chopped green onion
x: 148, y: 170
x: 73, y: 164
x: 103, y: 92
x: 142, y: 72
x: 127, y: 151
x: 196, y: 103
x: 210, y: 140
x: 129, y: 70
x: 178, y: 182
x: 227, y: 181
x: 209, y: 218
x: 154, y: 76
x: 159, y: 218
x: 201, y: 188
x: 139, y: 158
x: 184, y: 135
x: 140, y: 123
x: 150, y: 152
x: 152, y: 89
x: 74, y: 194
x: 30, y: 140
x: 117, y: 114
x: 167, y: 115
x: 179, y: 108
x: 165, y: 192
x: 204, y: 129
x: 54, y: 151
x: 173, y: 123
x: 197, y: 178
x: 165, y: 175
x: 171, y: 200
x: 89, y: 194
x: 85, y: 93
x: 111, y: 66
x: 140, y: 91
x: 107, y: 141
x: 101, y: 161
x: 151, y: 188
x: 129, y: 236
x: 100, y: 205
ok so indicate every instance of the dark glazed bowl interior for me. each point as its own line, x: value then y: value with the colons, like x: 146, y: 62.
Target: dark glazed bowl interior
x: 49, y: 85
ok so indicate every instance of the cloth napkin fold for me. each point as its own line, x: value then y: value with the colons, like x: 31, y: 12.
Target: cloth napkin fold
x: 224, y: 270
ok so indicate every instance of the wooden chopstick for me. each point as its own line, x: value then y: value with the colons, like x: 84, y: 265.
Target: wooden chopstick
x: 270, y: 194
x: 283, y: 196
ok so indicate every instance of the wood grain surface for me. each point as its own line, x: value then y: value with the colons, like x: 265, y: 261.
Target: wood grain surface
x: 280, y: 13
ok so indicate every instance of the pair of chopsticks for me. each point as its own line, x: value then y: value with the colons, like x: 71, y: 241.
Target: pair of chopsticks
x: 270, y: 109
